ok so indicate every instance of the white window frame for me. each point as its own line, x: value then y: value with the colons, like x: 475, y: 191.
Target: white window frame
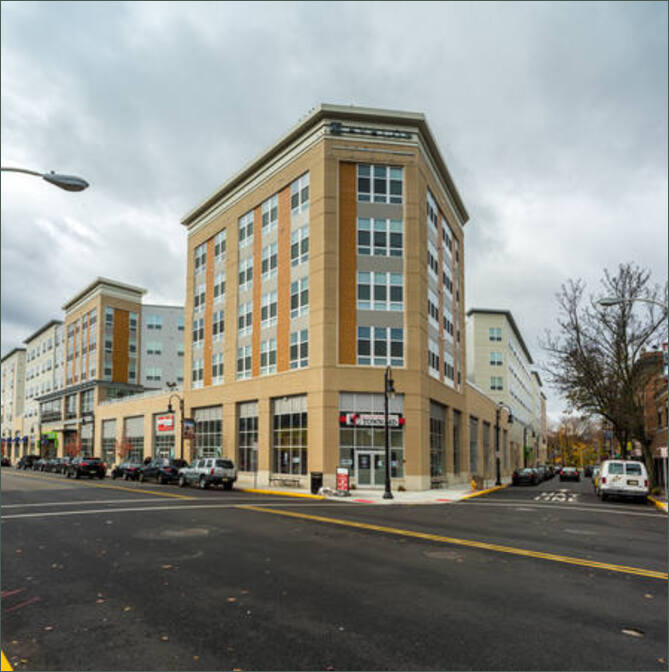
x: 393, y: 175
x: 244, y: 355
x: 298, y: 288
x: 270, y: 214
x: 245, y: 227
x: 269, y: 261
x: 299, y: 237
x: 220, y: 245
x: 268, y: 301
x: 268, y: 356
x: 298, y: 340
x: 245, y: 269
x: 299, y: 194
x: 217, y: 371
x: 245, y: 318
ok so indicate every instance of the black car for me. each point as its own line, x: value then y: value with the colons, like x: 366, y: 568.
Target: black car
x: 527, y: 475
x: 587, y: 472
x: 86, y: 466
x: 570, y: 474
x: 26, y: 462
x: 127, y: 471
x: 6, y: 462
x: 162, y: 469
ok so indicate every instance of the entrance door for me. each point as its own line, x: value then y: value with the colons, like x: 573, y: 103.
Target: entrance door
x: 370, y: 469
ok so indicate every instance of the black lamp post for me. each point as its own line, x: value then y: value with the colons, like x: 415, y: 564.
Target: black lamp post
x: 498, y: 412
x: 388, y: 389
x: 181, y: 412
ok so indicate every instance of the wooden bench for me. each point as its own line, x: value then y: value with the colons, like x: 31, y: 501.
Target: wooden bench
x: 285, y: 480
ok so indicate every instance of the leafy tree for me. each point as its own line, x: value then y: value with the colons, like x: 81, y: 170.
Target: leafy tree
x: 593, y: 360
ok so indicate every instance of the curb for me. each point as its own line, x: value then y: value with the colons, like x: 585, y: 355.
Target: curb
x: 5, y: 663
x: 484, y: 492
x: 660, y: 505
x: 280, y: 493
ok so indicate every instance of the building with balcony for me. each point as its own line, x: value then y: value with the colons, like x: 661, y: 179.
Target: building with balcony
x: 12, y: 398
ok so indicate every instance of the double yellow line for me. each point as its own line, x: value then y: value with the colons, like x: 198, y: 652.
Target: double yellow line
x: 583, y: 562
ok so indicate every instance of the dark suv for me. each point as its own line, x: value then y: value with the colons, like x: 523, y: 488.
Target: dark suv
x: 86, y: 466
x: 26, y: 462
x: 162, y: 469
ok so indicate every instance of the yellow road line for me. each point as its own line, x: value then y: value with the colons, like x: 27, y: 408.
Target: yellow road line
x: 279, y: 492
x: 108, y: 487
x: 485, y: 492
x: 660, y: 505
x: 466, y: 542
x: 5, y: 666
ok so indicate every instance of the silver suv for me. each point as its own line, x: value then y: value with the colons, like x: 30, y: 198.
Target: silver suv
x: 206, y: 471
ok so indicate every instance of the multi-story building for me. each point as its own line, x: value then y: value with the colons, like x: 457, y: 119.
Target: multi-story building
x: 12, y: 396
x: 334, y: 255
x: 44, y: 373
x: 162, y: 341
x: 499, y: 362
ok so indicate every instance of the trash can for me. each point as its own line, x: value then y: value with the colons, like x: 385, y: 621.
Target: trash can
x: 316, y: 481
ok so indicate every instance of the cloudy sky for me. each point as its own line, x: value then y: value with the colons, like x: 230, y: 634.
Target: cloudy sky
x: 551, y: 117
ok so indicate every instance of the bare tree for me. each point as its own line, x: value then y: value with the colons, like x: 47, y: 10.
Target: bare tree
x: 593, y: 359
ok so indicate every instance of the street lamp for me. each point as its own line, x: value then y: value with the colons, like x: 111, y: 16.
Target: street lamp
x: 615, y: 301
x: 388, y: 390
x: 181, y: 413
x: 67, y: 182
x: 498, y: 411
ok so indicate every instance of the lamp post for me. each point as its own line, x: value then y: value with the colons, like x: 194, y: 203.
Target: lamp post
x: 498, y: 412
x: 181, y: 413
x: 67, y: 182
x: 87, y: 417
x: 388, y: 390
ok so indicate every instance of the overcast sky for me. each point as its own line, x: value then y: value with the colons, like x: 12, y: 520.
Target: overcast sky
x: 552, y: 119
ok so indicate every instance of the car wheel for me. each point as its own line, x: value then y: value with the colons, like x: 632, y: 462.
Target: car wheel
x: 643, y: 499
x: 227, y: 485
x: 604, y: 496
x: 141, y: 477
x: 101, y: 476
x: 125, y: 476
x: 159, y: 479
x: 68, y: 474
x: 113, y: 475
x: 203, y: 483
x: 182, y: 482
x: 77, y: 474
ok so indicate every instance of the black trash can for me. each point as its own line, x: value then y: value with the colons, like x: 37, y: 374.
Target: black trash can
x: 316, y: 481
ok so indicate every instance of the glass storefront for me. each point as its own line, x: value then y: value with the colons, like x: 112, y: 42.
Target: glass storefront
x: 247, y: 436
x: 109, y: 442
x: 289, y: 435
x: 437, y: 444
x: 208, y: 431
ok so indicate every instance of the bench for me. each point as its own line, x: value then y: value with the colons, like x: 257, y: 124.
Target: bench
x: 285, y: 480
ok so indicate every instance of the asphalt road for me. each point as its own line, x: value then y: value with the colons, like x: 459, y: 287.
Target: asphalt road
x: 130, y: 576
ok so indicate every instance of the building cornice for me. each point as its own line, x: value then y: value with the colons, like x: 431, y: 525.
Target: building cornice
x: 12, y: 352
x: 41, y: 330
x: 104, y: 285
x: 512, y: 322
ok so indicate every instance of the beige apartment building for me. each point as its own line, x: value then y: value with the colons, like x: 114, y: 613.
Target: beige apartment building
x: 12, y: 398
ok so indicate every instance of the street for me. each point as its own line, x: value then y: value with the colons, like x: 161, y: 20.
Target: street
x: 136, y: 576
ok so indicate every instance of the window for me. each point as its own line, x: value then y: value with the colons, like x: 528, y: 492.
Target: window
x: 299, y: 297
x: 153, y: 373
x: 268, y: 311
x: 433, y: 359
x: 387, y: 291
x: 268, y: 356
x: 270, y: 214
x: 247, y: 436
x: 198, y: 331
x: 219, y: 246
x: 495, y: 359
x: 154, y: 348
x: 495, y: 333
x: 449, y: 368
x: 299, y: 349
x: 496, y: 383
x: 246, y: 229
x: 299, y: 246
x: 245, y: 321
x: 269, y: 261
x: 289, y: 436
x: 198, y: 373
x: 154, y: 321
x: 432, y: 260
x: 180, y: 323
x: 244, y: 362
x: 446, y: 277
x: 218, y: 325
x: 299, y: 194
x: 385, y: 240
x: 379, y: 183
x: 133, y: 321
x: 200, y: 257
x: 380, y: 346
x: 432, y: 310
x: 246, y: 274
x: 447, y: 318
x: 219, y: 287
x: 208, y: 431
x: 199, y: 298
x: 432, y: 216
x: 217, y: 368
x: 109, y: 320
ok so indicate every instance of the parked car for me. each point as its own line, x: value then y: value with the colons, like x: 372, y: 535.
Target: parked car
x: 26, y: 462
x: 208, y: 471
x: 595, y: 478
x: 570, y: 474
x: 626, y: 478
x: 528, y: 475
x: 587, y: 471
x: 542, y: 471
x: 50, y: 464
x: 86, y: 466
x: 162, y: 469
x: 39, y: 464
x: 128, y: 471
x: 64, y: 464
x: 6, y: 462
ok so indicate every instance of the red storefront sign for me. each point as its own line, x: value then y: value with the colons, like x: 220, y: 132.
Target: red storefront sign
x: 165, y: 422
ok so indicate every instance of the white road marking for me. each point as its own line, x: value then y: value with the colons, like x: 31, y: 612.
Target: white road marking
x: 556, y: 496
x: 532, y: 505
x: 87, y: 501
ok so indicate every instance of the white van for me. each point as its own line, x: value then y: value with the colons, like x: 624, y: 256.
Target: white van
x: 623, y: 477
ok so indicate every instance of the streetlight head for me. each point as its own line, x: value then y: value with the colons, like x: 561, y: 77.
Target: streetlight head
x: 510, y: 418
x: 609, y: 301
x: 67, y: 182
x: 169, y: 407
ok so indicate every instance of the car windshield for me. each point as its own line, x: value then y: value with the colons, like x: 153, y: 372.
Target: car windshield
x: 615, y: 468
x: 570, y: 469
x: 634, y: 469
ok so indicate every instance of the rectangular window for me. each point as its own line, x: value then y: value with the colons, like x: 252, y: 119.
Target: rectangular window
x: 269, y: 261
x: 219, y: 246
x: 299, y: 297
x: 208, y: 431
x: 495, y: 359
x: 432, y: 309
x: 289, y: 436
x: 299, y: 194
x: 299, y: 349
x: 246, y: 230
x: 433, y: 359
x: 495, y: 333
x: 154, y: 348
x: 217, y: 368
x: 244, y: 362
x: 153, y: 373
x: 219, y: 287
x: 380, y: 346
x: 200, y: 257
x: 246, y: 274
x: 270, y: 214
x: 449, y: 366
x: 268, y: 356
x: 109, y: 320
x: 180, y: 323
x: 268, y: 311
x: 198, y: 373
x: 154, y: 321
x: 432, y: 212
x: 299, y: 246
x: 432, y: 260
x: 245, y: 321
x: 379, y: 183
x: 199, y: 298
x: 247, y: 436
x: 198, y: 331
x: 380, y: 237
x: 218, y: 325
x: 387, y: 292
x: 496, y: 383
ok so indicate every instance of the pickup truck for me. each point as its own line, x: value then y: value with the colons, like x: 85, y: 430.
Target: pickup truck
x: 206, y: 471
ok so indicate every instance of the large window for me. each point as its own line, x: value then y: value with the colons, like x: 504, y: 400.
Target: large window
x: 432, y: 212
x: 154, y: 347
x: 268, y: 311
x: 217, y: 368
x: 219, y: 287
x: 456, y: 442
x: 244, y: 362
x: 269, y: 261
x: 208, y: 431
x: 154, y: 321
x: 495, y: 359
x: 299, y: 349
x: 199, y: 297
x: 270, y: 214
x: 246, y: 229
x: 299, y: 194
x: 198, y: 331
x: 433, y: 358
x: 245, y: 318
x: 245, y: 274
x: 219, y: 246
x: 380, y: 237
x: 198, y: 373
x: 449, y: 367
x: 496, y: 383
x: 495, y: 334
x: 379, y: 183
x: 437, y: 443
x: 432, y: 260
x: 299, y: 246
x: 432, y: 309
x: 268, y: 356
x: 386, y: 293
x: 289, y: 436
x: 473, y: 445
x: 200, y: 258
x: 380, y: 346
x: 153, y: 373
x: 299, y: 297
x: 247, y: 436
x: 218, y: 325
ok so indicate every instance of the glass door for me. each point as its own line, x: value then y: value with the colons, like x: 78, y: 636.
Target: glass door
x: 370, y: 469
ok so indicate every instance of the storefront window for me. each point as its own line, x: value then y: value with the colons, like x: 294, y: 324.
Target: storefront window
x: 289, y: 436
x: 208, y: 431
x: 247, y: 436
x: 437, y: 444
